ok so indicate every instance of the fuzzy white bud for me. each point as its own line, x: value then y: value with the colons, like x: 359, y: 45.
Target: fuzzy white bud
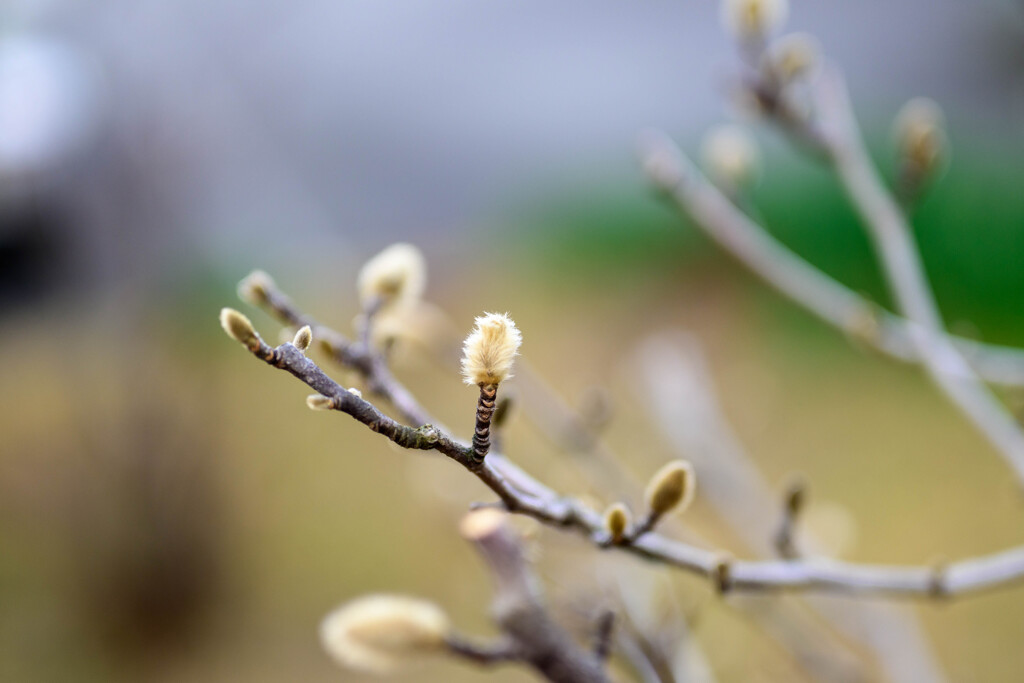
x: 319, y: 402
x: 753, y: 20
x: 381, y: 633
x: 730, y: 156
x: 397, y: 275
x: 237, y: 326
x: 490, y: 349
x: 303, y: 338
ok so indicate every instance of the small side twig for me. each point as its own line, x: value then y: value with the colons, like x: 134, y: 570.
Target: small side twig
x: 792, y: 503
x: 518, y: 608
x: 484, y: 653
x: 604, y: 636
x: 821, y: 574
x: 823, y: 296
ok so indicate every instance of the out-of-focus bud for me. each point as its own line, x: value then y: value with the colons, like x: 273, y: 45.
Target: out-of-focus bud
x: 919, y: 132
x: 381, y: 633
x: 254, y: 287
x: 730, y: 157
x: 794, y: 56
x: 671, y: 487
x: 397, y: 275
x: 617, y: 521
x: 659, y: 160
x: 753, y: 20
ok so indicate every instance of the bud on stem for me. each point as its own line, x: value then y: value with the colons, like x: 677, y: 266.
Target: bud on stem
x: 617, y: 521
x: 303, y: 338
x: 381, y: 633
x: 239, y: 328
x: 671, y: 487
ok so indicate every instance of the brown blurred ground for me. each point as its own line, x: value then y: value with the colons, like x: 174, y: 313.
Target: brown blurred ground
x: 171, y: 511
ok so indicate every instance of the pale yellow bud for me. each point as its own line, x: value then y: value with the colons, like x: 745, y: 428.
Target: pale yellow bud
x: 919, y: 132
x: 490, y: 349
x: 617, y: 521
x: 730, y: 156
x: 671, y: 487
x: 320, y: 402
x: 355, y: 392
x: 303, y: 338
x: 254, y: 287
x: 795, y: 56
x: 237, y: 326
x: 397, y: 275
x: 381, y: 633
x: 748, y: 20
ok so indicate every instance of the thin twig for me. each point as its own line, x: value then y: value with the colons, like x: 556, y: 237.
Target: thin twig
x: 484, y: 653
x: 675, y: 384
x: 811, y: 574
x: 518, y: 608
x: 901, y: 261
x: 820, y: 294
x: 604, y: 635
x: 674, y: 173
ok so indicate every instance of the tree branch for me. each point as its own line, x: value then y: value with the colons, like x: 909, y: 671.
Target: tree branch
x: 894, y: 244
x: 518, y: 608
x: 821, y: 295
x: 811, y: 574
x: 931, y: 347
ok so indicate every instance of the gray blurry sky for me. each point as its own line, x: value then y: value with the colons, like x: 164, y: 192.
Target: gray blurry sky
x: 357, y: 122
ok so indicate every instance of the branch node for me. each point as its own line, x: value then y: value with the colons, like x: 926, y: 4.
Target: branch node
x: 721, y: 574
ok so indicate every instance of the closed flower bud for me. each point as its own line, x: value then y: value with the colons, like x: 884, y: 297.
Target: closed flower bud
x: 731, y: 156
x: 303, y: 338
x: 381, y: 633
x: 237, y: 326
x: 490, y: 349
x: 254, y: 287
x: 616, y: 521
x: 320, y: 402
x: 671, y: 487
x: 919, y: 132
x: 753, y: 20
x: 794, y: 56
x: 396, y: 275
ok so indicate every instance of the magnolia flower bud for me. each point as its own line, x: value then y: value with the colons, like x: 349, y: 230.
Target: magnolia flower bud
x: 671, y: 487
x: 397, y: 275
x: 380, y: 633
x: 753, y: 20
x: 731, y: 156
x: 303, y: 338
x: 490, y: 349
x: 617, y: 521
x: 254, y: 287
x: 919, y: 132
x: 319, y: 402
x: 237, y: 326
x: 794, y: 56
